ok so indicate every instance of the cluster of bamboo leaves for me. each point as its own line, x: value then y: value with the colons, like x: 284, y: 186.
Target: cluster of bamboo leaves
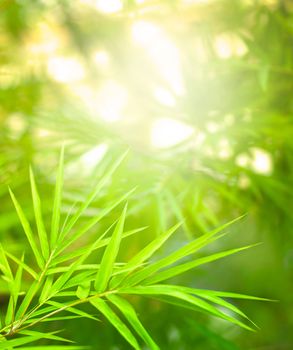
x: 62, y: 280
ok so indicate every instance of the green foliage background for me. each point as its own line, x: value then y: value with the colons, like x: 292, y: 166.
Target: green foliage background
x: 241, y: 102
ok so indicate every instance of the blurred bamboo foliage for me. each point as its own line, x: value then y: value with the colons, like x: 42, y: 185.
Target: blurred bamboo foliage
x: 200, y: 92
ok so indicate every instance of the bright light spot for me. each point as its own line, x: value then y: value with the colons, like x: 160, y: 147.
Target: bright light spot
x: 243, y: 181
x: 109, y: 6
x: 101, y: 58
x: 161, y: 51
x: 228, y: 45
x: 108, y: 102
x: 223, y: 47
x: 168, y: 132
x: 165, y: 97
x: 192, y: 2
x: 261, y: 161
x: 65, y: 70
x: 212, y: 127
x: 144, y: 32
x: 47, y: 47
x: 17, y: 125
x: 225, y: 150
x: 243, y: 160
x: 43, y: 40
x: 91, y: 158
x: 42, y: 133
x: 111, y: 100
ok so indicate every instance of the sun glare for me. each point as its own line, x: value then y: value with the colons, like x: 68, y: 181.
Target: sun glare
x: 164, y: 96
x: 109, y: 6
x: 162, y: 52
x: 106, y: 102
x: 258, y: 160
x: 91, y: 158
x: 261, y: 161
x: 228, y: 45
x: 101, y: 58
x: 167, y: 132
x: 65, y: 70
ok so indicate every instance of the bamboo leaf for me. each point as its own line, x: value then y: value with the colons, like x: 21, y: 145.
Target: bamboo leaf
x: 102, y: 243
x: 43, y: 335
x: 39, y: 217
x: 181, y: 253
x: 62, y: 280
x: 92, y: 195
x: 176, y: 270
x: 181, y: 293
x: 14, y: 295
x: 27, y: 299
x: 83, y: 290
x: 27, y: 230
x: 19, y: 341
x: 57, y: 201
x: 128, y: 311
x: 4, y: 265
x: 145, y: 254
x: 102, y: 306
x: 109, y: 256
x: 24, y: 266
x: 71, y: 309
x: 46, y: 289
x: 55, y: 347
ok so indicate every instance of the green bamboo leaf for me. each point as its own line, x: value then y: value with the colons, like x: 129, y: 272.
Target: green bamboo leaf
x: 212, y: 297
x: 181, y: 293
x: 24, y: 266
x: 39, y: 217
x: 81, y: 251
x: 145, y: 254
x: 102, y: 243
x: 64, y: 307
x: 14, y: 295
x: 175, y: 206
x: 10, y: 312
x: 83, y: 290
x: 18, y: 342
x: 46, y: 289
x: 43, y: 335
x: 27, y: 299
x: 109, y: 256
x: 128, y: 311
x: 53, y: 319
x: 79, y: 278
x: 92, y: 222
x: 176, y: 270
x: 183, y: 252
x: 41, y: 311
x: 4, y: 265
x: 55, y: 347
x: 227, y: 305
x: 57, y: 201
x: 92, y: 195
x: 151, y: 269
x: 102, y: 306
x: 234, y: 295
x: 62, y: 280
x: 28, y: 231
